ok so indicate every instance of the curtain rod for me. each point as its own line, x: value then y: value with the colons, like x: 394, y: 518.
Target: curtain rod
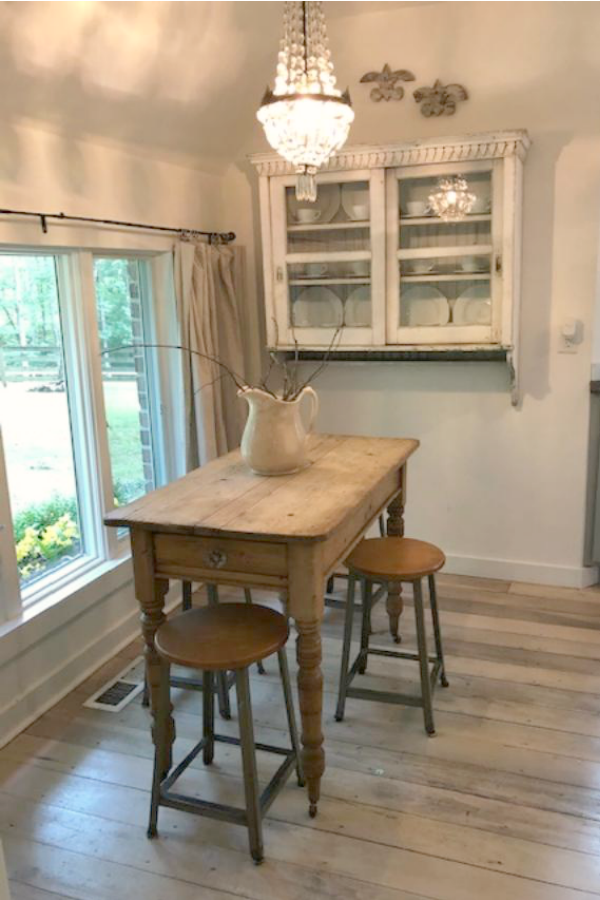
x: 213, y: 236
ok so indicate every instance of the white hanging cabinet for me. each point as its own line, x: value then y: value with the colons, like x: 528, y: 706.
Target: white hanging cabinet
x: 370, y: 269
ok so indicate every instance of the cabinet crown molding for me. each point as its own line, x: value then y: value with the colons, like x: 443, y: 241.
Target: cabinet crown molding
x: 488, y: 145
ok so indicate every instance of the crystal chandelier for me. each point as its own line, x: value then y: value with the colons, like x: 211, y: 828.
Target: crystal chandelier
x: 305, y: 117
x: 452, y: 200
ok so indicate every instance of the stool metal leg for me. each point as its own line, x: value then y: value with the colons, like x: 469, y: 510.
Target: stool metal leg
x: 160, y: 739
x: 248, y: 599
x: 289, y: 711
x: 382, y: 525
x: 242, y: 684
x: 367, y: 593
x: 186, y: 595
x: 208, y: 717
x: 423, y: 658
x: 222, y: 689
x: 437, y: 634
x: 341, y: 704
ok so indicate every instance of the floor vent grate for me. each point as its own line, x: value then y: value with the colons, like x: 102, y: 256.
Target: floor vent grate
x: 120, y: 690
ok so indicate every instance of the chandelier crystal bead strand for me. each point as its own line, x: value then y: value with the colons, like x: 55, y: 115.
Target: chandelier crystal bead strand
x: 306, y: 118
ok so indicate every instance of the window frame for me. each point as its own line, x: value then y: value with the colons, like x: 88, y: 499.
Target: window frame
x: 81, y: 344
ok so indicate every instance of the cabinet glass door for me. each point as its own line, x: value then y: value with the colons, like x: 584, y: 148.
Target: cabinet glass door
x: 329, y: 261
x: 444, y: 277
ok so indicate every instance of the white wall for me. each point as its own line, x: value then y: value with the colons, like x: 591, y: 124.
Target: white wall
x: 502, y: 490
x: 43, y: 657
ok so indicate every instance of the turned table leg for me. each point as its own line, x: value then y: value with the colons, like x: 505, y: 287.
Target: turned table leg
x: 395, y: 528
x: 306, y: 583
x: 310, y: 691
x: 150, y: 593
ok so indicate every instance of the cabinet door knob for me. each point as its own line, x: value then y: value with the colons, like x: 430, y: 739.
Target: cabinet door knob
x: 217, y: 559
x: 498, y: 265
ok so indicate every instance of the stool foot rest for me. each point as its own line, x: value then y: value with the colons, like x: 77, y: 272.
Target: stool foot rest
x: 389, y: 696
x: 222, y: 811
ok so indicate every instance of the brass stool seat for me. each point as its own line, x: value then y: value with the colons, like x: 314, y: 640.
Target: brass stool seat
x: 214, y: 640
x: 392, y: 560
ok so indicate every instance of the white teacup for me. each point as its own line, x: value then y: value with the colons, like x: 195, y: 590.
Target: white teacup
x: 360, y: 210
x: 421, y: 266
x: 359, y: 267
x: 471, y: 264
x: 416, y: 207
x: 315, y: 270
x: 481, y: 205
x: 306, y: 215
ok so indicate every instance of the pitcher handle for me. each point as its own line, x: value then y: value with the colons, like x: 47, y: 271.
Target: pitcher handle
x: 314, y: 404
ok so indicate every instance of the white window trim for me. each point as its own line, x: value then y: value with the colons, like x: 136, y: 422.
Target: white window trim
x: 9, y: 577
x: 106, y: 553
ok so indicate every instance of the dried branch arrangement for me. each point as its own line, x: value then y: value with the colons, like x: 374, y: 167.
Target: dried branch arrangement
x: 288, y: 370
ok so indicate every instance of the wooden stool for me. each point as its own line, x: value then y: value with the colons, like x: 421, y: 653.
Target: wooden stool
x: 224, y: 682
x: 389, y: 560
x: 214, y: 640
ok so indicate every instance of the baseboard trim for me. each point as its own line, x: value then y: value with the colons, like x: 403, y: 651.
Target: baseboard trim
x: 515, y: 570
x: 42, y: 696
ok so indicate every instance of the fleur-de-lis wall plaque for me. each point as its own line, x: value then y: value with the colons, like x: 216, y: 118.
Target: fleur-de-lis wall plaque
x: 387, y: 83
x: 441, y: 99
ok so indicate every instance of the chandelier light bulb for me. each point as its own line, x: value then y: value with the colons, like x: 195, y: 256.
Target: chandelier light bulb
x: 452, y: 200
x: 306, y: 118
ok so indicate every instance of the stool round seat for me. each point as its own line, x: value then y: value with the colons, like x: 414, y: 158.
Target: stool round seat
x: 227, y: 637
x: 395, y: 559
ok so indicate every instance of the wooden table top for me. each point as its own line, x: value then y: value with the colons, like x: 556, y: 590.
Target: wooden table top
x: 226, y: 498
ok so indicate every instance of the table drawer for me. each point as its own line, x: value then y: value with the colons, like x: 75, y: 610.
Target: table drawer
x: 197, y: 558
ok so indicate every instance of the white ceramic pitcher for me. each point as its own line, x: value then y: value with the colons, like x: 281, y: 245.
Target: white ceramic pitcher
x: 275, y: 437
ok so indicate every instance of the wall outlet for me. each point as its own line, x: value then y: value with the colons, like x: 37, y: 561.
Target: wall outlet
x: 571, y: 336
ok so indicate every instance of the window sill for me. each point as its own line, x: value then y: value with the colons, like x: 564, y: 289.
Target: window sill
x: 55, y: 609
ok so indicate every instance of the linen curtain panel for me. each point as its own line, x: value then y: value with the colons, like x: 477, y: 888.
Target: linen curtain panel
x: 208, y: 280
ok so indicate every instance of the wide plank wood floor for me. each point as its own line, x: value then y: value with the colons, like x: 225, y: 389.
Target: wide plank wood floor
x: 504, y: 802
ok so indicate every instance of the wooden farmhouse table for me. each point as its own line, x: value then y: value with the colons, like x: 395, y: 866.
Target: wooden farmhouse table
x: 223, y: 525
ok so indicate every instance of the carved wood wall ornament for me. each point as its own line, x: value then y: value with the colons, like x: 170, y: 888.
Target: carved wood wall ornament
x: 387, y: 83
x: 441, y: 99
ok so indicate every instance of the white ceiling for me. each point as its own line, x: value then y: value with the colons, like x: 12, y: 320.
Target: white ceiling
x: 182, y: 77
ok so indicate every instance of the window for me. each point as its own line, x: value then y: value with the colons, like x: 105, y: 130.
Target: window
x: 123, y: 326
x: 80, y: 414
x: 36, y: 421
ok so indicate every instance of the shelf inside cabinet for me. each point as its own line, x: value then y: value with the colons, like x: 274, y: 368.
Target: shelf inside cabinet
x: 331, y: 226
x: 308, y: 282
x: 436, y: 252
x: 323, y: 256
x: 452, y: 276
x: 436, y: 220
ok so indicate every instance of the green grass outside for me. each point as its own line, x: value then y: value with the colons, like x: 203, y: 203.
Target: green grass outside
x: 48, y: 533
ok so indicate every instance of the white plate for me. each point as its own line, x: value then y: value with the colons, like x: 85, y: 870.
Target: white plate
x: 354, y: 197
x: 357, y: 309
x: 327, y: 203
x: 424, y: 306
x: 473, y: 307
x: 317, y: 307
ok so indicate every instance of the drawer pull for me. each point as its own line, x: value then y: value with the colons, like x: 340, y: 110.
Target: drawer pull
x: 217, y: 559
